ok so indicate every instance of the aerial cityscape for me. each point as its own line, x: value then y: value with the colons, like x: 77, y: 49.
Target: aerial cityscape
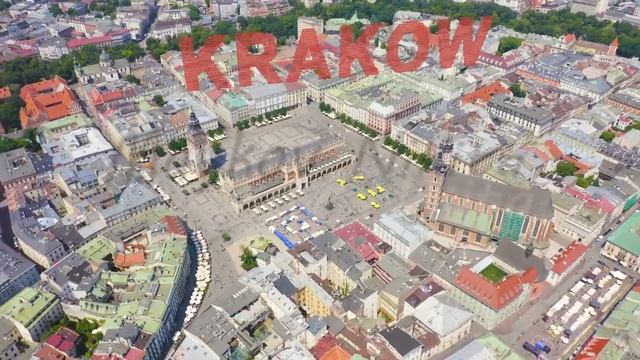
x: 319, y: 179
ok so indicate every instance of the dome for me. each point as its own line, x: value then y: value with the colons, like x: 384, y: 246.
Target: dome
x: 194, y: 123
x: 105, y: 58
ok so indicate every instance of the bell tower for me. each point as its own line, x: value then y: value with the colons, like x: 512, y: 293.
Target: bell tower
x: 435, y: 181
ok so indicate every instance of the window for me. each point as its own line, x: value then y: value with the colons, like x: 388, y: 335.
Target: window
x: 441, y: 227
x: 536, y: 227
x: 525, y: 225
x: 452, y: 230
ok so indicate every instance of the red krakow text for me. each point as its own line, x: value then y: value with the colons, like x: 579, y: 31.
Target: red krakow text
x: 308, y: 55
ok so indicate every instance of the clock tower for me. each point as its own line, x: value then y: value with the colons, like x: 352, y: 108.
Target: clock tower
x: 198, y: 146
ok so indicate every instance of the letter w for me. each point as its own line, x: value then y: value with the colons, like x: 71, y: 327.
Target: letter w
x: 464, y: 34
x: 194, y: 65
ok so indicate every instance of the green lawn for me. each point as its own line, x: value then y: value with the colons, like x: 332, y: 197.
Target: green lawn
x: 493, y: 273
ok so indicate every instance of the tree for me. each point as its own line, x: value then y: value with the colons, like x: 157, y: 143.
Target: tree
x: 159, y: 100
x: 213, y: 132
x: 388, y: 141
x: 177, y: 144
x: 608, y: 136
x: 401, y: 149
x: 635, y: 125
x: 508, y: 43
x: 216, y: 146
x: 584, y: 182
x: 160, y: 151
x: 4, y: 5
x: 564, y: 168
x: 248, y: 259
x: 176, y: 163
x: 357, y: 29
x: 133, y: 79
x: 214, y: 177
x: 55, y: 10
x: 517, y: 91
x: 194, y: 12
x: 226, y: 237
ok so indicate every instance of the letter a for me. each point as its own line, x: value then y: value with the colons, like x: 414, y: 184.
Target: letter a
x: 308, y: 44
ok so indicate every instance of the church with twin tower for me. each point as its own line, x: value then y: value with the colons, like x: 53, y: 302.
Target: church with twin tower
x: 198, y: 147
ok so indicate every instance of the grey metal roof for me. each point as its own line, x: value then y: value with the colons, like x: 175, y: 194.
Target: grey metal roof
x: 404, y: 227
x: 402, y: 342
x: 12, y: 264
x: 536, y: 115
x: 284, y: 286
x: 534, y: 201
x: 514, y: 255
x: 14, y: 165
x: 340, y: 254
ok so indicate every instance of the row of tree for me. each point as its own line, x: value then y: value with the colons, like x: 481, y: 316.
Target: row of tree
x: 347, y: 120
x: 421, y: 159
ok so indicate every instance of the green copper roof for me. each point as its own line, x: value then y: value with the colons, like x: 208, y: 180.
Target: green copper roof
x: 465, y: 218
x: 627, y: 236
x: 28, y: 305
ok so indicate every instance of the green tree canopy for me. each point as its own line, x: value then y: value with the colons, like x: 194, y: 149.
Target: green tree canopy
x: 508, y: 43
x: 608, y: 136
x: 564, y: 168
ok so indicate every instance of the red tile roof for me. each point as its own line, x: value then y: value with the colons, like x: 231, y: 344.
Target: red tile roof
x: 497, y: 295
x: 536, y: 152
x: 68, y: 334
x: 132, y: 255
x: 179, y: 119
x: 96, y: 40
x: 570, y: 255
x: 54, y: 340
x: 592, y: 349
x: 558, y: 154
x: 360, y: 239
x: 336, y: 353
x: 66, y: 346
x: 554, y: 150
x: 134, y: 354
x: 174, y: 225
x: 47, y: 100
x: 485, y: 93
x: 46, y: 352
x: 103, y: 97
x: 323, y: 346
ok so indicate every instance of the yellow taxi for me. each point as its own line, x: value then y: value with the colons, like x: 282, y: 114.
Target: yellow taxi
x: 372, y: 192
x: 380, y: 189
x: 358, y: 177
x: 362, y: 196
x: 342, y: 182
x: 375, y: 205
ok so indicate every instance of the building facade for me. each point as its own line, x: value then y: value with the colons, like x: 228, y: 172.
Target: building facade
x: 291, y: 169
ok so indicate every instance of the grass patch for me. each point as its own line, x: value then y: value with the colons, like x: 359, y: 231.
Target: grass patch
x: 493, y: 273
